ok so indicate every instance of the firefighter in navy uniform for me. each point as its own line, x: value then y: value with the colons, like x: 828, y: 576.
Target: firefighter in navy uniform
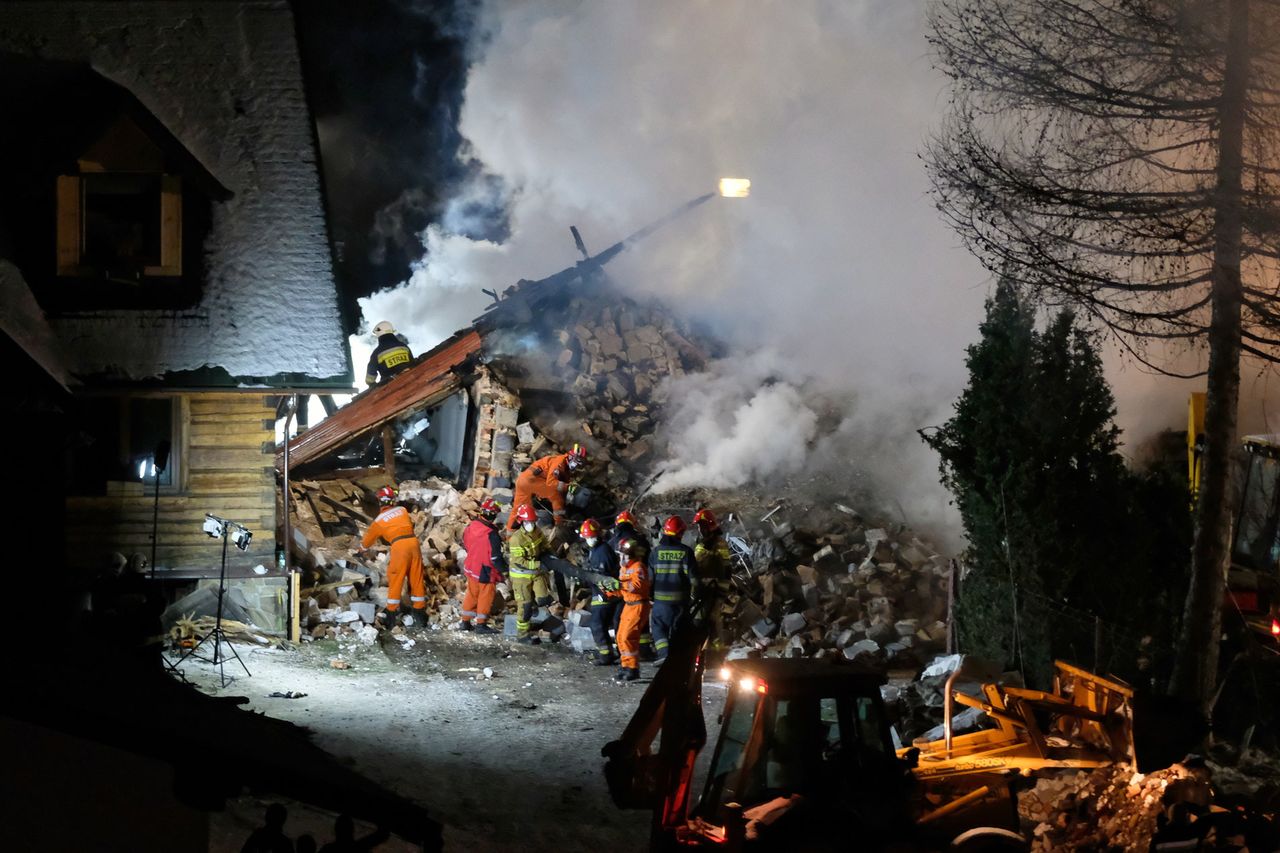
x: 390, y: 356
x: 625, y: 526
x: 672, y: 566
x: 606, y: 602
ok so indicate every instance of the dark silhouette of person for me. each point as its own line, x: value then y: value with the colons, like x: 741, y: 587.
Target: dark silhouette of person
x: 270, y: 837
x: 345, y: 841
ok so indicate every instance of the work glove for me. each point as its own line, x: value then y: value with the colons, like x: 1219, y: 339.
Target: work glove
x: 504, y: 588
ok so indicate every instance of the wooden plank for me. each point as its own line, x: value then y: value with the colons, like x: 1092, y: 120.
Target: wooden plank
x: 68, y: 225
x: 345, y: 508
x: 170, y: 225
x: 232, y: 441
x: 209, y: 458
x: 226, y: 426
x: 251, y: 480
x: 248, y: 405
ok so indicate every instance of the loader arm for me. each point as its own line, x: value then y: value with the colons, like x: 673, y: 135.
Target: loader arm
x: 671, y: 712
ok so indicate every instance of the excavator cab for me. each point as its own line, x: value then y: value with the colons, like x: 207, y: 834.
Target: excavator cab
x: 803, y: 745
x: 1254, y: 579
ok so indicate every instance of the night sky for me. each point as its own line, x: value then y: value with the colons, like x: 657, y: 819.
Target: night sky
x: 385, y: 78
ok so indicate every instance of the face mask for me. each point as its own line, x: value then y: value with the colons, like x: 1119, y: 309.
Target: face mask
x: 528, y: 527
x: 573, y: 463
x: 591, y: 542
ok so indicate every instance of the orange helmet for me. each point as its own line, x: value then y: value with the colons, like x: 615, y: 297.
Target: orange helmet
x: 590, y: 529
x: 706, y: 520
x: 526, y: 513
x: 673, y: 526
x: 387, y: 495
x: 625, y: 517
x: 489, y: 508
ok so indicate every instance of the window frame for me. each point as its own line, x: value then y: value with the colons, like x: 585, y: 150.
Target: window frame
x: 71, y: 238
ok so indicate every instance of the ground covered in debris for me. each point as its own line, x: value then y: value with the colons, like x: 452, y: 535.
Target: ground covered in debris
x: 507, y: 761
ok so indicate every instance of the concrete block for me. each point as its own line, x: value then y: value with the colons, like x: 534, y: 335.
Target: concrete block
x: 765, y: 628
x: 582, y: 639
x: 827, y: 559
x: 906, y: 627
x: 366, y: 610
x: 347, y: 616
x: 509, y: 625
x: 862, y: 647
x: 793, y: 622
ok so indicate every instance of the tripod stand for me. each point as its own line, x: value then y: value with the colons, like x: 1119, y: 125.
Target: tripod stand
x: 219, y: 636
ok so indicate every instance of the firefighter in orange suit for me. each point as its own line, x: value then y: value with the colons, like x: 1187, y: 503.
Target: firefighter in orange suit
x: 395, y: 526
x: 547, y: 478
x: 633, y: 578
x: 484, y: 568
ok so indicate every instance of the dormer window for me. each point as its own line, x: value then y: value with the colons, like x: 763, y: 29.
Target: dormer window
x: 120, y: 218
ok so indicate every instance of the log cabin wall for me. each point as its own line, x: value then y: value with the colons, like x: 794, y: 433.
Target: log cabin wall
x: 222, y: 464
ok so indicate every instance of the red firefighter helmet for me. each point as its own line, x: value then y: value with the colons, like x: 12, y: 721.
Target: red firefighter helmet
x: 673, y: 526
x: 706, y: 520
x: 577, y: 456
x: 489, y: 508
x: 590, y: 529
x: 625, y: 517
x: 526, y: 513
x: 387, y: 495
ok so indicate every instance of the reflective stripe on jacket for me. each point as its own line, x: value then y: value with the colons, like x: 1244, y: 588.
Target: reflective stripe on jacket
x: 526, y: 550
x: 391, y: 524
x: 634, y: 579
x: 389, y: 357
x: 673, y: 564
x: 713, y: 557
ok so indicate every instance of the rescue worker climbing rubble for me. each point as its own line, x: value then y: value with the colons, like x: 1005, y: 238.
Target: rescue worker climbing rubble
x: 605, y: 601
x: 394, y: 525
x: 529, y: 581
x: 714, y: 560
x: 484, y: 567
x: 672, y: 566
x: 549, y: 478
x: 390, y: 355
x: 625, y: 526
x: 633, y: 579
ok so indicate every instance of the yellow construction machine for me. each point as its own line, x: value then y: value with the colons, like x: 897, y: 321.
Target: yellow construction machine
x: 1253, y: 581
x: 805, y: 759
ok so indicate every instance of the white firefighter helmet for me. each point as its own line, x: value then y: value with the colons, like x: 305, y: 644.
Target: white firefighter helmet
x: 383, y: 328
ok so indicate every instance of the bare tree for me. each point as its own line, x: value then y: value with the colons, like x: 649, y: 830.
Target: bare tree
x: 1122, y: 156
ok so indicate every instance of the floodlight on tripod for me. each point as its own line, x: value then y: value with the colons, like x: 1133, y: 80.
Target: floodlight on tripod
x: 228, y: 531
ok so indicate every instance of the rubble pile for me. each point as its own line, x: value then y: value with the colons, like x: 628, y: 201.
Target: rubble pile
x: 611, y: 356
x: 871, y: 593
x: 346, y: 586
x: 1109, y: 808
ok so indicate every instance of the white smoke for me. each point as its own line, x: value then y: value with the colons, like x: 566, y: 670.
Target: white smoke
x: 735, y: 425
x: 607, y: 115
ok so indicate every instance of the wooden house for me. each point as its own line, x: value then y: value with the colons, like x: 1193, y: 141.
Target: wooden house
x: 161, y: 216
